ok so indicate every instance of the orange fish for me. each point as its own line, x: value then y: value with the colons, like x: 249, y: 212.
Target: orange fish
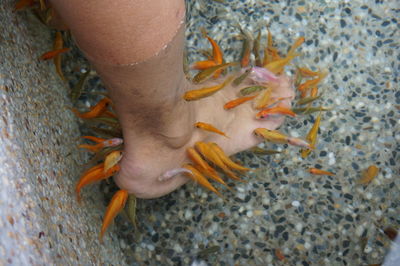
x: 277, y: 66
x: 93, y: 176
x: 96, y: 110
x: 273, y: 136
x: 225, y: 159
x: 199, y: 178
x: 52, y: 54
x: 262, y: 99
x: 201, y: 65
x: 112, y: 159
x: 278, y: 110
x: 306, y: 72
x: 368, y: 175
x: 312, y: 136
x: 296, y: 44
x: 210, y: 155
x: 205, y: 92
x: 238, y: 101
x: 312, y: 82
x: 117, y: 203
x: 316, y: 171
x: 101, y: 143
x: 209, y: 127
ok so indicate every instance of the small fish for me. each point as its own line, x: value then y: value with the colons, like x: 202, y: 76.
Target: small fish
x: 117, y: 203
x: 209, y: 250
x: 112, y: 159
x: 278, y: 110
x: 171, y: 173
x: 217, y: 52
x: 316, y: 171
x: 312, y: 82
x: 131, y: 209
x: 312, y: 136
x: 198, y: 160
x: 237, y: 101
x: 273, y: 136
x: 237, y: 81
x: 202, y: 65
x: 262, y: 151
x: 96, y: 110
x: 93, y: 176
x: 225, y: 159
x: 299, y: 143
x: 210, y: 155
x: 209, y: 72
x: 213, y: 175
x: 209, y: 127
x: 58, y: 44
x: 308, y: 100
x: 196, y: 176
x: 296, y: 44
x: 368, y: 175
x: 101, y: 143
x: 78, y: 88
x: 256, y: 50
x: 306, y: 72
x: 249, y: 90
x: 277, y: 66
x: 54, y: 53
x: 268, y: 56
x: 279, y: 254
x: 310, y: 110
x: 262, y: 99
x: 246, y: 50
x: 205, y: 92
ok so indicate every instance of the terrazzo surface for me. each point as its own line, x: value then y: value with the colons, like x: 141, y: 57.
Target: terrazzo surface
x: 282, y: 211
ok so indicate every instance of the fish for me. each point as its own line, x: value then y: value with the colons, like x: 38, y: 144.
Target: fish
x: 131, y: 209
x: 112, y: 159
x: 238, y: 101
x: 310, y: 110
x: 277, y: 66
x: 368, y: 175
x: 93, y: 176
x: 209, y: 127
x: 205, y: 92
x: 256, y: 50
x: 299, y: 143
x: 308, y: 100
x: 171, y: 173
x: 209, y: 72
x: 262, y: 151
x: 211, y: 156
x: 58, y: 44
x: 278, y: 110
x: 116, y: 204
x: 225, y: 159
x: 202, y: 65
x: 96, y: 110
x: 196, y: 176
x: 312, y: 136
x: 270, y: 53
x: 316, y: 171
x: 299, y: 41
x: 306, y: 72
x: 246, y: 50
x: 237, y: 81
x: 78, y: 88
x: 262, y: 99
x: 217, y: 52
x: 261, y: 75
x: 54, y: 53
x: 273, y: 136
x: 252, y: 89
x: 101, y: 143
x: 312, y: 82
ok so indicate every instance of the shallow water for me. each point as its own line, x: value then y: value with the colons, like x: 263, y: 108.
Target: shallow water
x: 312, y: 220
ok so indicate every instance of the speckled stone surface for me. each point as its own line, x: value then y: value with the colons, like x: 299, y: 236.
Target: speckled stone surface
x: 40, y: 220
x: 312, y: 220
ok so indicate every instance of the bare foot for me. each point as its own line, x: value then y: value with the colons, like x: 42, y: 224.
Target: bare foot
x: 147, y: 157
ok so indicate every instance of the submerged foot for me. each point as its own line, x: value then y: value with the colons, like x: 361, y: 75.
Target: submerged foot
x: 149, y: 155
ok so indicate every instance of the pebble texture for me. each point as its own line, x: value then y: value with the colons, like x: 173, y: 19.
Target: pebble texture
x: 40, y: 220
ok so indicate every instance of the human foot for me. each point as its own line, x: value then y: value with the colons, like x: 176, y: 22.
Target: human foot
x: 154, y: 154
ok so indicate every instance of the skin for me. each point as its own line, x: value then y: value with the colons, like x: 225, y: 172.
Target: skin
x: 139, y: 58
